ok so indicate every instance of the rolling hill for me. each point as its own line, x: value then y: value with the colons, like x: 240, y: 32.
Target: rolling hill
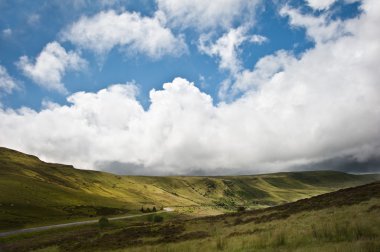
x: 344, y: 220
x: 34, y: 192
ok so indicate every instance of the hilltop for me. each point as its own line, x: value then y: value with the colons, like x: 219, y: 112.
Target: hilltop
x: 35, y: 192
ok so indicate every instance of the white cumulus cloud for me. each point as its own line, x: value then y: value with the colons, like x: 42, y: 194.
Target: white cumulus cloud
x: 320, y: 4
x: 258, y: 39
x: 203, y: 15
x: 106, y: 30
x: 226, y: 48
x: 7, y: 83
x: 49, y: 67
x: 320, y: 29
x: 264, y: 70
x: 7, y: 33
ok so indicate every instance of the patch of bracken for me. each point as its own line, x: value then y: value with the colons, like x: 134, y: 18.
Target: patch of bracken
x: 374, y: 208
x: 39, y: 242
x: 185, y: 237
x: 131, y: 236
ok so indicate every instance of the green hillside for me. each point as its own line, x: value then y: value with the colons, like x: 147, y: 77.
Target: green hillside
x: 34, y: 192
x: 346, y: 220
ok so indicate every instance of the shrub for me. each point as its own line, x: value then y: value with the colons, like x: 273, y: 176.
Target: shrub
x: 158, y: 218
x: 103, y: 222
x: 241, y: 209
x: 155, y: 218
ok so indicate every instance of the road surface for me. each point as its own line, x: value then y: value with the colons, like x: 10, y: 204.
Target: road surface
x: 29, y: 230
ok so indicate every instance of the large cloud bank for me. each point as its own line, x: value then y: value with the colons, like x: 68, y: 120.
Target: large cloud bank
x: 322, y: 105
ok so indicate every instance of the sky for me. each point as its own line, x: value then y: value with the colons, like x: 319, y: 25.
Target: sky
x: 167, y: 87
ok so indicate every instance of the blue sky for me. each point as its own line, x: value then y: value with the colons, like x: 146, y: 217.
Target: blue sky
x: 231, y: 50
x: 33, y: 24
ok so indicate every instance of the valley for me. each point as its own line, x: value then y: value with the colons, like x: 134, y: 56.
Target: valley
x: 37, y: 193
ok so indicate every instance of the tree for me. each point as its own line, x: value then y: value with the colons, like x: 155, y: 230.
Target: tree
x: 103, y: 222
x: 148, y: 210
x: 154, y: 209
x: 142, y: 209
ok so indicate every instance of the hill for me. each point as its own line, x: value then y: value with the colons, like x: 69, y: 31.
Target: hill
x: 345, y: 220
x: 35, y: 192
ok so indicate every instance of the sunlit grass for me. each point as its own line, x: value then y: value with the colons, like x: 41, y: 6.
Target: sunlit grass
x: 339, y: 228
x: 350, y: 228
x: 36, y: 193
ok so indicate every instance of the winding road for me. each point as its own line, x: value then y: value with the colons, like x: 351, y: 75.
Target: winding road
x: 78, y: 223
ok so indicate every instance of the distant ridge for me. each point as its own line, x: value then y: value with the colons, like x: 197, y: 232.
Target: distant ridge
x: 35, y: 192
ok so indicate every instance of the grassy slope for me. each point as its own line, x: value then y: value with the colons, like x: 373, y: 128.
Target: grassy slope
x: 35, y: 192
x: 346, y: 220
